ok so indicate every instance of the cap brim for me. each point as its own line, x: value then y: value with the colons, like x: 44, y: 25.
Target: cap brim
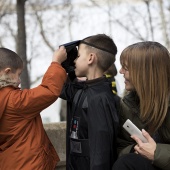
x: 69, y: 46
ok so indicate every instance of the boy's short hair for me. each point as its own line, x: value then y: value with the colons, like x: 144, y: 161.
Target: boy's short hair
x: 10, y: 59
x: 112, y: 70
x: 104, y: 47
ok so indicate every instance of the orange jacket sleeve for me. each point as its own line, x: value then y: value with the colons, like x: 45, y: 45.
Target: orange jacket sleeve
x: 30, y: 102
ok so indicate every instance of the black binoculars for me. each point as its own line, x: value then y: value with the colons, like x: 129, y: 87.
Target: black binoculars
x: 72, y: 53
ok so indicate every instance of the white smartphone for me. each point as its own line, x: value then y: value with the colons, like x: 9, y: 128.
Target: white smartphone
x: 133, y: 130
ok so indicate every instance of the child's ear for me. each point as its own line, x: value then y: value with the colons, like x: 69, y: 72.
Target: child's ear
x: 92, y: 58
x: 7, y: 70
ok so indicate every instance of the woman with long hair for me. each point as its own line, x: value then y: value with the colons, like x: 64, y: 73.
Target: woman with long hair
x: 146, y: 69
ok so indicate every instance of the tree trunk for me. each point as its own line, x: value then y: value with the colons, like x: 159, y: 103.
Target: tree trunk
x: 21, y: 42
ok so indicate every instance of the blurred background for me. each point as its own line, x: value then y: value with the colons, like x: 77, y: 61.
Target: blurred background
x: 34, y: 29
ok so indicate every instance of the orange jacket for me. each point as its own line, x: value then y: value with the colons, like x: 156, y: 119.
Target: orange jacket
x: 24, y: 145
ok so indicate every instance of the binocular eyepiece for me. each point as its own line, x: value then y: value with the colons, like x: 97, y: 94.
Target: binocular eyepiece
x: 72, y: 53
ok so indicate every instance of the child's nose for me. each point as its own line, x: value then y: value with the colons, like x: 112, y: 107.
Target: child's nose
x: 75, y: 60
x: 121, y: 71
x: 19, y: 80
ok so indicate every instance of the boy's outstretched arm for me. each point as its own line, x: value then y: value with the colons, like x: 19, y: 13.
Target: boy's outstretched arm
x: 34, y: 100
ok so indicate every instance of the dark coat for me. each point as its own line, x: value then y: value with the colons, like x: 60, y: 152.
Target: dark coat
x: 129, y: 109
x: 93, y: 124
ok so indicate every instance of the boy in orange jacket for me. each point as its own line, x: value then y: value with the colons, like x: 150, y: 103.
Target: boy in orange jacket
x: 24, y: 145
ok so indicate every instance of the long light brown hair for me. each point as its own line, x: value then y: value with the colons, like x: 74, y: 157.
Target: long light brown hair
x: 149, y: 70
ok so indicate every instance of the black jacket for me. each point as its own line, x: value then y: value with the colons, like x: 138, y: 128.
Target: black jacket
x: 129, y: 109
x: 92, y: 125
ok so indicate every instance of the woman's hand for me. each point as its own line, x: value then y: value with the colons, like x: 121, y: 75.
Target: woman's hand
x: 145, y: 149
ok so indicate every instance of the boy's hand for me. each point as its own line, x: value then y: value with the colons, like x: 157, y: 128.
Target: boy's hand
x: 60, y: 55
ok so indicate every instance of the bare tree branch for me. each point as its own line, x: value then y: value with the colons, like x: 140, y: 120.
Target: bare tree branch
x: 147, y: 2
x: 164, y: 24
x: 42, y: 32
x: 142, y: 18
x: 5, y: 8
x: 70, y: 17
x: 135, y: 29
x: 40, y: 22
x: 128, y: 29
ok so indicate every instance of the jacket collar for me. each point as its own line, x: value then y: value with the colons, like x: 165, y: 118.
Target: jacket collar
x: 132, y: 101
x: 96, y: 81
